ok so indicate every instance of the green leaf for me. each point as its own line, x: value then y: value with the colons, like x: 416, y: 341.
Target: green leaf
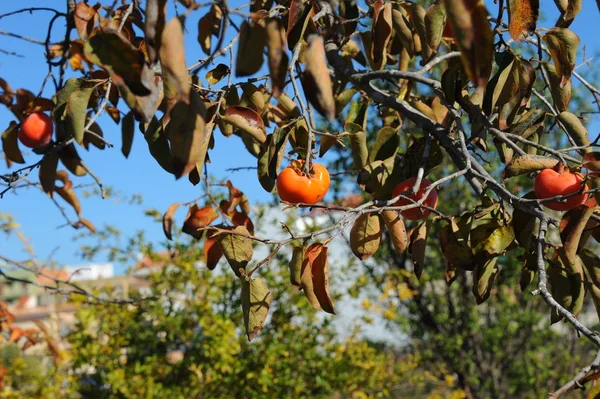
x: 358, y: 112
x: 76, y: 112
x: 110, y: 50
x: 237, y: 248
x: 455, y: 247
x: 435, y: 20
x: 523, y: 224
x: 270, y: 157
x: 256, y: 300
x: 490, y: 240
x: 386, y: 144
x: 484, y: 276
x: 575, y: 129
x: 127, y: 133
x: 525, y: 164
x: 358, y: 143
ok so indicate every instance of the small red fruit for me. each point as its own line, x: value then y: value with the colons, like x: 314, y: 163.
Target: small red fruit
x: 294, y: 186
x: 550, y: 183
x: 416, y: 213
x: 36, y: 130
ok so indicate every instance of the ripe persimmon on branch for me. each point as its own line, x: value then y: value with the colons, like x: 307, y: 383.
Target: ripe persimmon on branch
x: 411, y: 97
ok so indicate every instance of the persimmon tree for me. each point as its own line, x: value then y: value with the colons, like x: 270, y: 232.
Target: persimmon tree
x: 445, y: 85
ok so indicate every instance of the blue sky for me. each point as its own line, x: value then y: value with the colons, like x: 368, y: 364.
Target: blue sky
x: 139, y: 174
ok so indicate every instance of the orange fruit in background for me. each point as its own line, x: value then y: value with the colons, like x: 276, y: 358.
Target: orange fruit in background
x: 415, y: 213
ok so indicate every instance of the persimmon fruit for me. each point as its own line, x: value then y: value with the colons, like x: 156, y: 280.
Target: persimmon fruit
x: 551, y: 183
x: 415, y: 213
x: 36, y: 130
x: 295, y: 186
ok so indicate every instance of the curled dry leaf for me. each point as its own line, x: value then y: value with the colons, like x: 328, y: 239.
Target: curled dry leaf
x: 48, y: 173
x: 85, y: 18
x: 110, y: 50
x: 402, y: 29
x: 253, y: 97
x: 525, y: 164
x: 127, y: 133
x: 381, y: 33
x: 396, y: 229
x: 417, y: 246
x: 591, y: 161
x: 300, y: 23
x: 573, y: 267
x: 315, y: 279
x: 246, y: 119
x: 195, y: 219
x: 172, y: 60
x: 474, y: 37
x: 562, y: 44
x: 365, y: 235
x: 276, y: 52
x: 153, y: 27
x: 253, y: 38
x: 561, y: 94
x: 68, y: 194
x: 306, y: 275
x: 256, y: 300
x: 10, y: 144
x: 188, y: 135
x: 167, y: 220
x: 217, y: 73
x: 316, y: 80
x: 237, y: 248
x: 88, y: 225
x: 522, y: 17
x: 212, y: 252
x: 296, y: 266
